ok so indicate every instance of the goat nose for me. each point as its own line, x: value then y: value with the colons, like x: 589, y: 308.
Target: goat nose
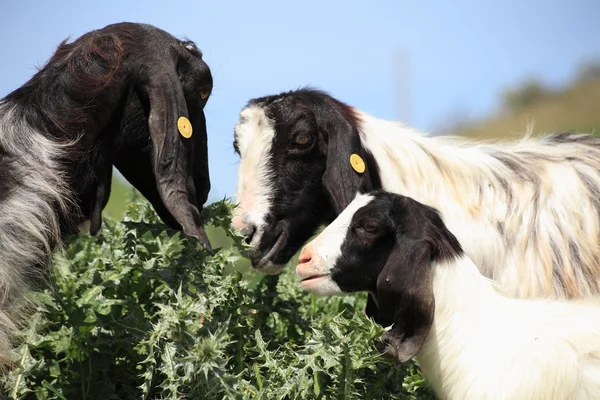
x: 305, y: 255
x: 248, y: 231
x: 304, y: 266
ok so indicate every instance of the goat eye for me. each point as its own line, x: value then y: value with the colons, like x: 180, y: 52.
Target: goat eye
x: 204, y: 94
x: 303, y: 139
x: 369, y: 227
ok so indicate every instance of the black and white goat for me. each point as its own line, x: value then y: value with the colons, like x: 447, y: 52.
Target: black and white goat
x: 113, y: 96
x: 471, y: 342
x: 527, y: 213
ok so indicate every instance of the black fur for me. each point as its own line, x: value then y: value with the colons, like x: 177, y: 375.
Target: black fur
x: 118, y: 92
x: 388, y: 251
x: 313, y: 184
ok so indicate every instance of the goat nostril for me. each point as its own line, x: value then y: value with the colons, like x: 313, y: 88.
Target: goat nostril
x: 249, y: 232
x: 304, y: 258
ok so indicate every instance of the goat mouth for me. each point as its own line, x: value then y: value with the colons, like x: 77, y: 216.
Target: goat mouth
x: 314, y: 278
x: 265, y: 264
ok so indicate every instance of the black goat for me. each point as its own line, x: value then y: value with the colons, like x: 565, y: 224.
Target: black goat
x: 115, y: 96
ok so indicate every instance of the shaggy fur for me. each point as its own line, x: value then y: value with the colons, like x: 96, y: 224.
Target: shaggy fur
x: 471, y: 342
x: 32, y: 189
x: 526, y: 212
x: 113, y: 96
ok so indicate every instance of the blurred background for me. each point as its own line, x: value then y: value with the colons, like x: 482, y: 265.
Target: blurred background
x: 485, y: 69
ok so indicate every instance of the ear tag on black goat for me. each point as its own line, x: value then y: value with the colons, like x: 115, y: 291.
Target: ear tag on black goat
x: 357, y: 163
x: 185, y: 127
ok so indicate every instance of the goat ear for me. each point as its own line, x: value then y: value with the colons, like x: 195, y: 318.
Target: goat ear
x: 170, y: 130
x: 405, y: 297
x: 133, y: 156
x: 341, y: 181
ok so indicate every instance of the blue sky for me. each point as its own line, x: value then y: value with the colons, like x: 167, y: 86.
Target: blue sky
x: 460, y: 53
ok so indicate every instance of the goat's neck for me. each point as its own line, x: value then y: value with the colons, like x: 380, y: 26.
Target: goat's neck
x: 459, y: 290
x: 431, y: 170
x: 468, y: 314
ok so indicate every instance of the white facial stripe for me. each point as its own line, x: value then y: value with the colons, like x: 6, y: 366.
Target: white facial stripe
x: 254, y: 133
x: 327, y: 247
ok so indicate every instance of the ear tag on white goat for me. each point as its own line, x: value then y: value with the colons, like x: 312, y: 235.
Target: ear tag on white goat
x: 185, y: 127
x: 357, y: 163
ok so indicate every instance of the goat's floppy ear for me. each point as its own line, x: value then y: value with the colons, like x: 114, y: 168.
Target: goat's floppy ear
x: 133, y: 156
x: 343, y: 177
x: 172, y: 133
x: 405, y: 297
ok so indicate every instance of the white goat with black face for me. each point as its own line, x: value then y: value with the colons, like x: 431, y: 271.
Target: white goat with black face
x: 526, y: 212
x: 471, y: 342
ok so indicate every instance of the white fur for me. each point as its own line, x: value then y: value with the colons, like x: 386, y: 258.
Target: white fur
x: 483, y: 345
x: 486, y: 346
x: 255, y: 133
x: 464, y: 186
x: 29, y: 225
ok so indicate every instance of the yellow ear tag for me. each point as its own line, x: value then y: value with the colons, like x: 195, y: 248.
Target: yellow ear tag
x: 357, y: 163
x: 185, y: 127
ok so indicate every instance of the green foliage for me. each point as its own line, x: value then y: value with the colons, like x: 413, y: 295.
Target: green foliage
x: 142, y: 313
x: 120, y: 193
